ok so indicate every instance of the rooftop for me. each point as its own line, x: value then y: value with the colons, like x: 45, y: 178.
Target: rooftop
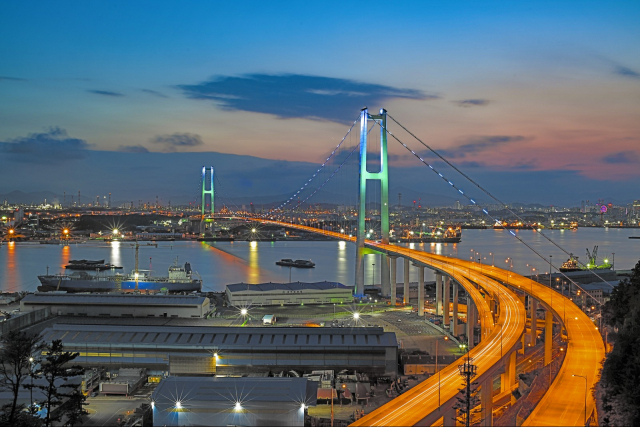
x: 221, y: 337
x: 294, y: 286
x: 112, y: 299
x: 229, y: 390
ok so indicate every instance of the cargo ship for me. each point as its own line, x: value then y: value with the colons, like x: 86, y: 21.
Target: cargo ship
x: 572, y: 263
x: 180, y: 279
x: 92, y: 265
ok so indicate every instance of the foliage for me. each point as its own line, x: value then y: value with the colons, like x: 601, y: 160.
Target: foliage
x: 22, y: 417
x: 620, y: 374
x: 15, y: 366
x: 55, y: 370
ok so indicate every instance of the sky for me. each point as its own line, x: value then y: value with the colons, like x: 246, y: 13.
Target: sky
x: 538, y: 100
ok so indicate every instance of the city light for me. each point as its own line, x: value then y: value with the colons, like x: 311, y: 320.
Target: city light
x: 356, y: 316
x: 238, y: 406
x: 178, y: 405
x: 244, y: 311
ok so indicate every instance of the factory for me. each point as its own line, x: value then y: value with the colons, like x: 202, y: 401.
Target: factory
x: 296, y: 293
x: 211, y: 401
x: 170, y: 350
x: 118, y: 305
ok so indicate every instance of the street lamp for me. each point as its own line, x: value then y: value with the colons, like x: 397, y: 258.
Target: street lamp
x: 585, y: 395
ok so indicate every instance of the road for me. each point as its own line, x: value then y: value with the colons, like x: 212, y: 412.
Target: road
x: 564, y: 402
x: 425, y: 398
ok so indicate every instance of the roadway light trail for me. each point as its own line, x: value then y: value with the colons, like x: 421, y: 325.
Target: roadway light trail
x: 422, y: 400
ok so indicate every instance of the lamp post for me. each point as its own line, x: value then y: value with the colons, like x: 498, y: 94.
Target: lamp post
x: 31, y: 389
x: 585, y: 395
x: 493, y: 260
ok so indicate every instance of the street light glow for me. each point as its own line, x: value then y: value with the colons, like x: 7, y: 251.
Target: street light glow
x: 238, y: 406
x: 243, y: 311
x: 356, y: 315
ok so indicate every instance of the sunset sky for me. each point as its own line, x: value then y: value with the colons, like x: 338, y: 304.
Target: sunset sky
x: 507, y: 88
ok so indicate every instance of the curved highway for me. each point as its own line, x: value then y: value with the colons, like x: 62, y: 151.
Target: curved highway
x: 423, y: 400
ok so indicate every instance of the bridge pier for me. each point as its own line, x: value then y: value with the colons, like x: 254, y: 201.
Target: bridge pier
x: 438, y: 294
x: 548, y: 336
x: 450, y: 417
x: 405, y: 294
x: 508, y: 378
x: 385, y: 283
x: 393, y: 267
x: 455, y: 309
x: 421, y: 291
x: 445, y: 304
x: 534, y: 321
x: 470, y: 322
x: 486, y: 401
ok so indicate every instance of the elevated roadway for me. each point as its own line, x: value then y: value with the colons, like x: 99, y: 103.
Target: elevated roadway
x: 432, y: 399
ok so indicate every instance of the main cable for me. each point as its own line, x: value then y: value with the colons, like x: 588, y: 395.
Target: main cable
x: 471, y: 180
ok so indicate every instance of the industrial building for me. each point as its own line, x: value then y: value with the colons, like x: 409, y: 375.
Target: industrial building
x: 211, y: 401
x: 117, y: 305
x: 165, y: 350
x: 297, y: 293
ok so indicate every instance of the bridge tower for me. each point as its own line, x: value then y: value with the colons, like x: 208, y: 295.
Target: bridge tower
x: 383, y: 177
x: 206, y: 192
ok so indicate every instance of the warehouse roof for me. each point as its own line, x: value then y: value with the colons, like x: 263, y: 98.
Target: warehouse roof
x: 295, y: 286
x: 229, y: 390
x: 112, y: 299
x: 219, y: 337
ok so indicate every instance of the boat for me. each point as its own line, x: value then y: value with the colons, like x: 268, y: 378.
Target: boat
x: 436, y: 235
x: 83, y: 264
x: 180, y: 279
x: 518, y: 225
x: 299, y: 263
x: 572, y: 264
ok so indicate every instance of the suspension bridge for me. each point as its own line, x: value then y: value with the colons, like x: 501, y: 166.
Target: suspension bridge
x: 496, y: 297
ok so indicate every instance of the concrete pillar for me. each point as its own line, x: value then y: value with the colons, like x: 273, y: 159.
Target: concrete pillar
x: 393, y: 278
x: 486, y: 401
x: 438, y: 294
x: 420, y: 291
x: 405, y: 295
x: 534, y: 321
x: 470, y: 322
x: 512, y: 369
x: 445, y: 303
x: 449, y: 418
x: 455, y: 309
x: 385, y: 283
x: 548, y: 336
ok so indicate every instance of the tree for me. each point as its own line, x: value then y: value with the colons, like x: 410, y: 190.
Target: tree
x: 55, y: 370
x: 618, y: 388
x: 74, y: 409
x: 15, y: 366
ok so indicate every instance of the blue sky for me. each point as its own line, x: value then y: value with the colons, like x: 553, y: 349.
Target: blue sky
x: 508, y: 89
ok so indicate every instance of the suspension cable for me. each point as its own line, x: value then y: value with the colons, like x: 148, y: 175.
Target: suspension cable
x: 486, y: 212
x: 492, y: 196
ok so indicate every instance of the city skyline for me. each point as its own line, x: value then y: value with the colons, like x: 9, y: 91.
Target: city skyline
x: 542, y: 95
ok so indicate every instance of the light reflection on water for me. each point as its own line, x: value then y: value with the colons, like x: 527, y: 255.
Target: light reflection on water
x: 254, y: 262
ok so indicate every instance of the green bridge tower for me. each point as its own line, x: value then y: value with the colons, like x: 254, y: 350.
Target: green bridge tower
x: 206, y: 192
x: 383, y: 177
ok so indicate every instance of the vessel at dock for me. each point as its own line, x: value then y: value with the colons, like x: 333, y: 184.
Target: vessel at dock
x: 180, y: 279
x: 435, y: 235
x: 90, y: 265
x: 572, y: 264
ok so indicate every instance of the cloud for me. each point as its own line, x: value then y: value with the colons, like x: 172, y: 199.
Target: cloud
x: 472, y: 102
x: 51, y: 146
x: 477, y: 144
x: 177, y: 140
x: 154, y: 93
x: 15, y: 79
x: 622, y: 157
x: 104, y: 92
x: 133, y: 149
x: 297, y: 96
x: 626, y: 72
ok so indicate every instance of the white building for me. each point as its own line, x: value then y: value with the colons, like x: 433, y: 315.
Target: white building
x: 244, y: 294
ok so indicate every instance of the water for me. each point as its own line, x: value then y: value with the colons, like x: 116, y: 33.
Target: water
x: 254, y: 262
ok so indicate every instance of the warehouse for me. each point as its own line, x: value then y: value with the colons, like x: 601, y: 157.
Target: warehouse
x: 297, y: 293
x: 117, y: 305
x: 201, y: 350
x: 211, y: 401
